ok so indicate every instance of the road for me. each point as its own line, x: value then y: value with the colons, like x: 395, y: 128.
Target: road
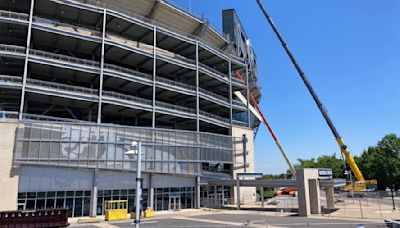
x: 237, y: 219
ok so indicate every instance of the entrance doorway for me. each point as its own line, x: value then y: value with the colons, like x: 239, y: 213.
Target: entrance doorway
x: 174, y: 203
x: 216, y: 200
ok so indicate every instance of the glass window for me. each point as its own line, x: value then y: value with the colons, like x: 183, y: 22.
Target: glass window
x: 115, y: 192
x: 61, y: 193
x: 51, y: 194
x: 40, y: 204
x: 41, y: 194
x: 78, y: 207
x: 21, y: 195
x: 88, y: 193
x: 86, y: 207
x: 60, y: 203
x: 30, y: 204
x: 107, y: 192
x: 69, y: 203
x: 99, y: 210
x: 50, y: 203
x: 70, y: 193
x: 79, y: 193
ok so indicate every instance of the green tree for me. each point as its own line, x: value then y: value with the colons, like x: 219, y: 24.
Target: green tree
x: 382, y: 162
x: 325, y: 161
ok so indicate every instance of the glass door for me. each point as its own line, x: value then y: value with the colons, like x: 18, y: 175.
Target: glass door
x: 174, y: 203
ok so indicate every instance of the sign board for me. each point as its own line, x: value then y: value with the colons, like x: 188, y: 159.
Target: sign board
x: 325, y: 174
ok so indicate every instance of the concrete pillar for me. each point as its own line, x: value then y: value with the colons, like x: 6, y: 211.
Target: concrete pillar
x: 9, y: 173
x: 150, y: 202
x: 308, y: 191
x: 197, y: 204
x: 315, y: 202
x: 330, y: 198
x: 93, y: 200
x: 262, y: 196
x: 238, y: 193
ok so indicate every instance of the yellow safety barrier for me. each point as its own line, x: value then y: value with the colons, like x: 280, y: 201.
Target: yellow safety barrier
x: 146, y: 214
x: 115, y: 209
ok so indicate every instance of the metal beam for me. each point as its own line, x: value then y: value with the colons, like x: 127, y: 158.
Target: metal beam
x: 25, y: 75
x: 101, y: 67
x: 153, y: 12
x: 199, y: 31
x: 153, y: 114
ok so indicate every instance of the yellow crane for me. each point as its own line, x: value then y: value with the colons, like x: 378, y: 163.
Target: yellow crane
x: 361, y: 184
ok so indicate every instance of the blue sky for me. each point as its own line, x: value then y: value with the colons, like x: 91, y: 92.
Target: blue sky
x: 350, y: 51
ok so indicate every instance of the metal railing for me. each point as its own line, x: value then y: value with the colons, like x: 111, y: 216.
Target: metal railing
x: 8, y: 115
x: 27, y: 116
x: 212, y: 70
x: 175, y: 83
x: 63, y: 87
x: 59, y: 57
x: 168, y: 54
x: 127, y: 97
x: 10, y: 79
x: 127, y: 71
x: 68, y: 28
x: 12, y: 48
x: 239, y: 123
x: 14, y: 15
x: 214, y: 95
x: 175, y: 107
x: 213, y: 116
x: 237, y: 80
x: 238, y: 103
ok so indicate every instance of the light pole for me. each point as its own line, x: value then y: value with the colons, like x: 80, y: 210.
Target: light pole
x: 137, y: 150
x: 351, y: 182
x: 390, y: 175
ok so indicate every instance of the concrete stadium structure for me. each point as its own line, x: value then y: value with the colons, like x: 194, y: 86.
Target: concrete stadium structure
x: 81, y: 79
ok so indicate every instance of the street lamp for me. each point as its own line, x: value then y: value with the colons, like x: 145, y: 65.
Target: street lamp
x: 137, y: 151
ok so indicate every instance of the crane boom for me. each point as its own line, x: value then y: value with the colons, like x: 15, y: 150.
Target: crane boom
x: 264, y: 120
x: 339, y: 140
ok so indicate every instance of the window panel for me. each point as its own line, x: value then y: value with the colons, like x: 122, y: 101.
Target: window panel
x: 54, y: 150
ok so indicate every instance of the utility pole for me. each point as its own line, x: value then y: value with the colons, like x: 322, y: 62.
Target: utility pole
x: 390, y: 174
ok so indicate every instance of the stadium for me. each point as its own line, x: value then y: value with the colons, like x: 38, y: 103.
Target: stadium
x: 80, y: 80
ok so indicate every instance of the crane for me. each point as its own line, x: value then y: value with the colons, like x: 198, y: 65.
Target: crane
x: 361, y: 182
x: 262, y: 118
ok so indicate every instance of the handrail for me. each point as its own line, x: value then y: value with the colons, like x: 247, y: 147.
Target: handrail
x: 14, y: 15
x: 12, y: 79
x: 175, y: 107
x: 67, y: 27
x: 214, y: 95
x: 127, y: 70
x: 175, y: 83
x: 240, y: 123
x: 220, y: 74
x: 70, y: 59
x: 176, y: 56
x: 8, y: 115
x: 213, y: 116
x: 61, y: 86
x: 235, y: 79
x: 12, y: 48
x: 127, y: 97
x: 27, y: 116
